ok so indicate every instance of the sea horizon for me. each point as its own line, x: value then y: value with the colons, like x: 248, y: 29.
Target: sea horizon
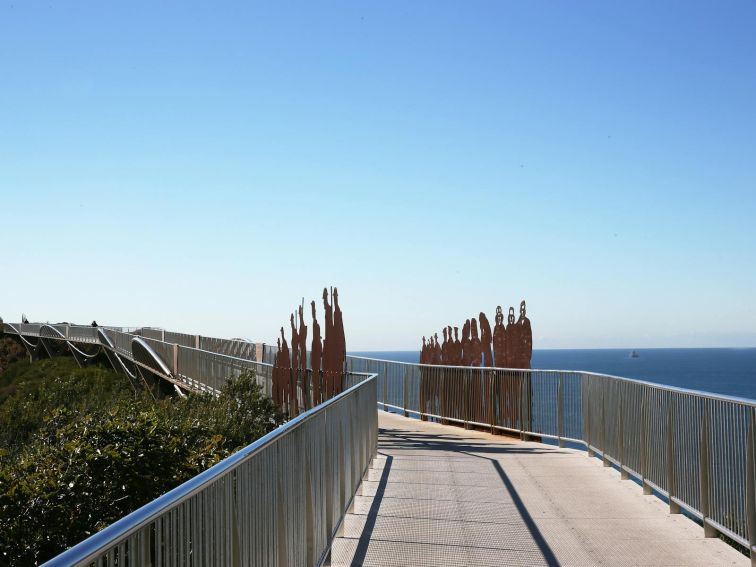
x: 720, y: 370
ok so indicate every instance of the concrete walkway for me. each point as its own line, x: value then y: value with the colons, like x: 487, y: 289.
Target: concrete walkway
x: 441, y: 495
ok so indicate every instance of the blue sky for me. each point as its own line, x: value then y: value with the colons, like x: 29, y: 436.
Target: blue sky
x: 202, y: 166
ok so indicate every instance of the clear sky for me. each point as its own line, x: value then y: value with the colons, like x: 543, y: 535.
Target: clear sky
x: 202, y: 166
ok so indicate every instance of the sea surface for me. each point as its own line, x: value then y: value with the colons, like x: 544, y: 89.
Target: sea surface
x: 730, y: 371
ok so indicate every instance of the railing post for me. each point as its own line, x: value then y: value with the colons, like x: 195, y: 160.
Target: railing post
x: 674, y: 508
x: 751, y: 486
x: 624, y: 475
x: 491, y: 402
x: 588, y: 416
x: 521, y: 402
x: 560, y: 410
x: 466, y: 380
x: 175, y: 361
x: 703, y: 469
x: 644, y: 441
x: 385, y: 385
x: 604, y: 459
x: 425, y: 382
x: 196, y: 341
x: 406, y: 389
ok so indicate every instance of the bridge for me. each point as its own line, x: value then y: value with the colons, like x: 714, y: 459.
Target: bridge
x: 432, y: 465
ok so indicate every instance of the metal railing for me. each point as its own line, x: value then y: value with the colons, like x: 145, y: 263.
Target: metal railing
x: 279, y: 501
x: 695, y: 449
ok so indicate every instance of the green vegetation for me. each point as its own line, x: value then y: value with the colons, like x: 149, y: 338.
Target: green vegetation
x: 10, y: 351
x: 79, y: 449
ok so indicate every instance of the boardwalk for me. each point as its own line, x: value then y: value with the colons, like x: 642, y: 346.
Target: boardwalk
x: 440, y: 495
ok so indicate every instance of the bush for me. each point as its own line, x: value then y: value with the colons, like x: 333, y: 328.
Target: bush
x: 87, y: 463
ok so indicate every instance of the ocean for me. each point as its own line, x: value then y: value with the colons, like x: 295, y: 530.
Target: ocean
x: 730, y: 371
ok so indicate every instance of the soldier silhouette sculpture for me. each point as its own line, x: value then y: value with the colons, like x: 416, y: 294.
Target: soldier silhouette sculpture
x: 500, y: 340
x: 525, y: 339
x: 485, y: 340
x: 299, y: 379
x: 495, y: 397
x: 339, y: 354
x: 316, y: 355
x: 284, y: 364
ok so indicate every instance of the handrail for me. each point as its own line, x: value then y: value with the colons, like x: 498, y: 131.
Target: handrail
x: 702, y: 393
x: 697, y: 449
x: 92, y: 547
x: 693, y: 448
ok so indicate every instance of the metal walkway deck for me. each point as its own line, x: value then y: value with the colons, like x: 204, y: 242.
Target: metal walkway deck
x: 441, y: 495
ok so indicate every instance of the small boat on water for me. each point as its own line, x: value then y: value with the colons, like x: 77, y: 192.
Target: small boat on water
x: 634, y: 354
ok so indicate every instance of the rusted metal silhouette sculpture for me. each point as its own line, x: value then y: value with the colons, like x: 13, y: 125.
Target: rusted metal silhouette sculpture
x: 512, y: 339
x: 525, y: 339
x: 500, y: 340
x: 299, y: 380
x: 276, y: 377
x: 316, y: 355
x: 437, y: 356
x: 339, y: 360
x: 295, y: 364
x: 467, y: 356
x: 508, y: 345
x: 500, y: 396
x: 475, y: 346
x: 445, y: 347
x: 457, y: 358
x: 284, y: 364
x: 486, y: 338
x: 328, y: 346
x: 302, y: 340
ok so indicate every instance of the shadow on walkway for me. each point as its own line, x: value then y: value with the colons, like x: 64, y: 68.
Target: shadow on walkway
x: 397, y: 441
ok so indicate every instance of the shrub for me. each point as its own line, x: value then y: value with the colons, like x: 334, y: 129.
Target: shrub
x: 87, y: 462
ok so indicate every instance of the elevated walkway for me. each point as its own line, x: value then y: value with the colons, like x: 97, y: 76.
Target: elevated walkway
x: 442, y: 495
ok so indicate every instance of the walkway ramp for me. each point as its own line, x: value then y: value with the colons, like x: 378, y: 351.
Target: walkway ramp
x: 441, y: 495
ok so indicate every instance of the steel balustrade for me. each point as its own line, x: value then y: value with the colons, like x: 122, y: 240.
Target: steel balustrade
x: 279, y: 501
x: 695, y: 449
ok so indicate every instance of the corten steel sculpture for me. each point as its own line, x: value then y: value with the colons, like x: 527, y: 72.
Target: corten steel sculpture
x: 500, y: 340
x: 424, y: 359
x: 436, y: 350
x: 457, y: 360
x: 292, y: 385
x: 514, y: 381
x: 466, y: 351
x: 506, y: 346
x: 512, y: 339
x: 493, y: 397
x: 277, y: 398
x: 316, y: 355
x: 445, y: 348
x: 294, y: 398
x: 525, y: 350
x: 301, y: 372
x: 328, y: 345
x: 340, y: 349
x: 486, y: 338
x: 475, y: 346
x: 284, y: 364
x: 302, y: 340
